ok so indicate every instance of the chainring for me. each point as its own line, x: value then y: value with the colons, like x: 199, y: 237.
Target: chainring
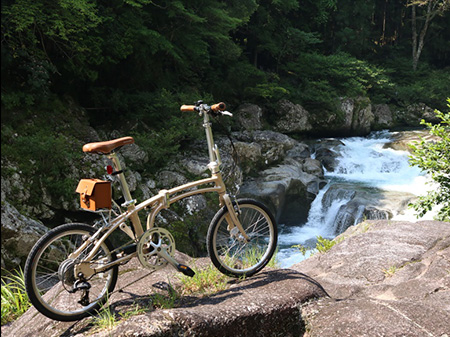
x: 150, y: 243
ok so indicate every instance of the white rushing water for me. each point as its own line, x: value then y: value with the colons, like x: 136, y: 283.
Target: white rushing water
x: 362, y: 161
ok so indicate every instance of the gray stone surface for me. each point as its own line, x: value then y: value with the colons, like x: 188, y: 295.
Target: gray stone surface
x: 386, y: 278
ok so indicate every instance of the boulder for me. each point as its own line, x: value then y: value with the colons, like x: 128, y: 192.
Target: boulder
x: 19, y: 234
x: 383, y: 117
x: 250, y: 156
x: 326, y: 151
x: 249, y: 116
x: 414, y: 113
x: 274, y: 145
x: 402, y: 140
x: 288, y: 188
x: 386, y: 278
x: 293, y: 118
x: 358, y: 116
x: 299, y: 151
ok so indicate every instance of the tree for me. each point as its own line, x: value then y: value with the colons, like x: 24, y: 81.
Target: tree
x: 434, y: 158
x: 431, y: 9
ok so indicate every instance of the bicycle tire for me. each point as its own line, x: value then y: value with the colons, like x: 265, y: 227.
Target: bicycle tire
x: 43, y: 284
x: 229, y: 253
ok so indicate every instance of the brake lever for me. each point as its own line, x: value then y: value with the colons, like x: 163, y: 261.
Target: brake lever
x: 226, y: 113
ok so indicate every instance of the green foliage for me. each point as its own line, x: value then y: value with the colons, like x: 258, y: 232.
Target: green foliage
x: 41, y: 39
x: 137, y: 310
x: 322, y: 79
x: 206, y: 281
x: 434, y: 158
x: 165, y: 301
x: 322, y: 245
x: 14, y: 297
x: 430, y: 85
x: 105, y: 318
x: 42, y: 149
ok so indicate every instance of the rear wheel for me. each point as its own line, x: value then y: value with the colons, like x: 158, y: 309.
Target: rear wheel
x: 228, y: 249
x: 50, y: 279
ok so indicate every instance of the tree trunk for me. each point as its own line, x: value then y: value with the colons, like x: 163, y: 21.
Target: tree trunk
x: 418, y: 40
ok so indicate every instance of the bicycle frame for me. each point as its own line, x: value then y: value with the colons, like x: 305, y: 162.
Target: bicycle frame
x: 161, y: 201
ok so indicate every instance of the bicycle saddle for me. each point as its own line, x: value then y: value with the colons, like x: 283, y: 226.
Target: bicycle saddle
x: 107, y: 146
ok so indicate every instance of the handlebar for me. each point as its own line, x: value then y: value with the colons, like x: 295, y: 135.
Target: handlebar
x: 204, y: 107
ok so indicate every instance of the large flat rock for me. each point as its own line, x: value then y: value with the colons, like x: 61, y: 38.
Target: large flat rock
x: 386, y: 278
x: 267, y: 304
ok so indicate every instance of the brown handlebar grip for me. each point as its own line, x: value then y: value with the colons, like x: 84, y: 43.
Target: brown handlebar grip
x: 218, y: 107
x: 187, y: 108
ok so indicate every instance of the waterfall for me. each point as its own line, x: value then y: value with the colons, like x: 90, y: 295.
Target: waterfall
x: 370, y: 181
x: 367, y: 160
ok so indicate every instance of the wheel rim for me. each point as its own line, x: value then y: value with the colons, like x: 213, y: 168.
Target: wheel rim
x: 49, y: 290
x: 230, y: 248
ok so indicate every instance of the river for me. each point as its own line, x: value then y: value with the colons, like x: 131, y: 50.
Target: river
x: 364, y: 164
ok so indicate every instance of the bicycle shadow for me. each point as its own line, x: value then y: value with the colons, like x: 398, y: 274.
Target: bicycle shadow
x: 279, y: 281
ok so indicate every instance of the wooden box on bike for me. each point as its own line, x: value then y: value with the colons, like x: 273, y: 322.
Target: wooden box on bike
x: 94, y: 194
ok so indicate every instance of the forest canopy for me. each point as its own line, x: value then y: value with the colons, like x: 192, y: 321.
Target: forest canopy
x: 120, y: 54
x: 129, y: 61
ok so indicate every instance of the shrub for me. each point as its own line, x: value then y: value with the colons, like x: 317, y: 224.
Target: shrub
x: 434, y: 158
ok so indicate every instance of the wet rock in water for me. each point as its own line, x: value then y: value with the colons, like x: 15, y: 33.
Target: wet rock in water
x: 326, y: 151
x: 358, y: 202
x: 288, y: 189
x: 401, y: 141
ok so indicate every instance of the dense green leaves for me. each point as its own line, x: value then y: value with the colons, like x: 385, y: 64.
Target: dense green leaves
x: 434, y: 158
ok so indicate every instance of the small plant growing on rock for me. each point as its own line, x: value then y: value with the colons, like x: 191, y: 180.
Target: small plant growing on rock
x: 106, y: 317
x: 137, y: 310
x: 206, y: 281
x: 165, y: 301
x: 322, y: 246
x: 390, y: 271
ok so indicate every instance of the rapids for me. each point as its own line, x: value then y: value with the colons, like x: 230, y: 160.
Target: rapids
x: 366, y: 166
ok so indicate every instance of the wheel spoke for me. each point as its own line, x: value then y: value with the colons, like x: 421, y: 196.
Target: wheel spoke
x: 50, y: 273
x: 230, y: 252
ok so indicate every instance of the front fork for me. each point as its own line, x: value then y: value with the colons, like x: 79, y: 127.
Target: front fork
x: 232, y: 217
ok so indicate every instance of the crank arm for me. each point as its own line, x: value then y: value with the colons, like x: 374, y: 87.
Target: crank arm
x: 162, y: 252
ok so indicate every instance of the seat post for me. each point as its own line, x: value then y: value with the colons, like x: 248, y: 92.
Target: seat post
x: 129, y: 202
x: 123, y: 183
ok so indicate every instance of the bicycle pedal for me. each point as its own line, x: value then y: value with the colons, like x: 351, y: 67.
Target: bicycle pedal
x: 185, y: 270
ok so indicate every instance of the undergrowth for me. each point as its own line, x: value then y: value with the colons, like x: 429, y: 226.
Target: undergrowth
x: 14, y: 297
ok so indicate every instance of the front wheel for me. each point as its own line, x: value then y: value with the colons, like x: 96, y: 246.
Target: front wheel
x: 50, y: 279
x: 228, y: 249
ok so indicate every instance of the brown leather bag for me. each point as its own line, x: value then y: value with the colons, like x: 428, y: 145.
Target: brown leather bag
x: 94, y: 194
